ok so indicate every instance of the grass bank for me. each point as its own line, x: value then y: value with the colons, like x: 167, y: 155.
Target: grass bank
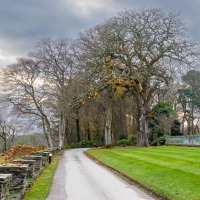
x: 42, y: 184
x: 172, y: 172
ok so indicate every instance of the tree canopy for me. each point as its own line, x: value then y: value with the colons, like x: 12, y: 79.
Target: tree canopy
x: 122, y: 61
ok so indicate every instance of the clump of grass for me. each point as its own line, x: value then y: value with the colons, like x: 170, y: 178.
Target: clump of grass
x: 42, y: 184
x: 1, y: 159
x: 172, y: 172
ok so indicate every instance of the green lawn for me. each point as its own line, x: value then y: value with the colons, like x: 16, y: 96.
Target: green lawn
x: 173, y: 172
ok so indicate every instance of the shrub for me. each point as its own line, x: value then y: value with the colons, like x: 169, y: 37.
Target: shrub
x: 176, y: 128
x: 161, y: 140
x: 86, y: 144
x: 133, y: 140
x: 72, y: 146
x: 122, y: 136
x: 96, y: 143
x: 123, y: 143
x: 83, y: 144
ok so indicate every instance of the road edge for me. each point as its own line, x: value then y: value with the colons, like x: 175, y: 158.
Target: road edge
x: 128, y: 179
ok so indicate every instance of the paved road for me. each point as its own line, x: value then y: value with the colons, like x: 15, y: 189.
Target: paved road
x: 79, y: 178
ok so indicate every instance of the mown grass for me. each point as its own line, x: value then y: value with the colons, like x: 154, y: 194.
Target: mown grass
x: 172, y: 172
x: 42, y: 184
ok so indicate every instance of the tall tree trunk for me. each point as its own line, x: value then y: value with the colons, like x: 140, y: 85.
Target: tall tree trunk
x: 135, y: 114
x: 143, y: 140
x: 62, y: 129
x: 192, y: 120
x: 78, y: 127
x: 67, y: 132
x: 49, y: 140
x: 47, y: 132
x: 5, y: 144
x: 182, y: 125
x: 88, y: 131
x: 108, y: 125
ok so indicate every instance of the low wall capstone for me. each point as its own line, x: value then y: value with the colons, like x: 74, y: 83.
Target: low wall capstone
x: 45, y: 156
x: 31, y: 166
x: 38, y: 163
x: 18, y: 183
x: 4, y: 186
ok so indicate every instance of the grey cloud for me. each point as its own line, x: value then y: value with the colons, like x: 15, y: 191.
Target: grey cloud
x: 24, y: 22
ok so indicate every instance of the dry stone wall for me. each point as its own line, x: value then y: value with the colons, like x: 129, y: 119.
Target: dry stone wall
x: 18, y: 183
x: 4, y: 186
x: 38, y: 163
x: 44, y: 155
x: 15, y: 178
x: 31, y: 166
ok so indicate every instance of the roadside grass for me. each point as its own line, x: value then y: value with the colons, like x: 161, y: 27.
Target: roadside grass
x: 42, y: 184
x: 172, y: 172
x: 1, y: 159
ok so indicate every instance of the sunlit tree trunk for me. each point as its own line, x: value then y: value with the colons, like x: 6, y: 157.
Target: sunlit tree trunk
x: 143, y: 135
x: 62, y: 129
x: 108, y: 124
x: 145, y: 95
x: 47, y: 132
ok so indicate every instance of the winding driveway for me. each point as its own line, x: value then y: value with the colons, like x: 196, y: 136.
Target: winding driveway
x: 79, y: 178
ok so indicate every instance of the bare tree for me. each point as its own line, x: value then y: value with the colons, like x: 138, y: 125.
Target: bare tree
x: 26, y: 91
x: 57, y: 64
x: 137, y: 50
x: 7, y: 134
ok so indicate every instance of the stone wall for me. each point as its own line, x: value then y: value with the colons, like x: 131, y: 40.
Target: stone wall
x: 53, y: 150
x: 19, y: 173
x: 31, y: 166
x: 4, y: 186
x: 45, y: 156
x: 18, y: 183
x: 38, y: 163
x: 31, y: 170
x: 16, y: 177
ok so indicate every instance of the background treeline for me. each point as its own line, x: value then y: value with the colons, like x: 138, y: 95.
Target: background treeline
x: 134, y: 77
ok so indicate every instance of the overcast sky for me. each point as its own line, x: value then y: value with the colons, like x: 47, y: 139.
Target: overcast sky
x: 24, y: 22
